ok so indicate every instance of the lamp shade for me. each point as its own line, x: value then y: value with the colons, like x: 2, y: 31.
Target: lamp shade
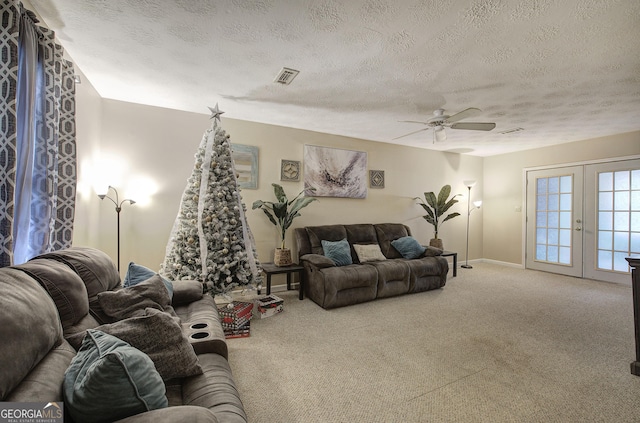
x: 478, y: 204
x: 469, y: 183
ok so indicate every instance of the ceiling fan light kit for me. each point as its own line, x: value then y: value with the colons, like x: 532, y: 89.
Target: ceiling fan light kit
x: 440, y: 121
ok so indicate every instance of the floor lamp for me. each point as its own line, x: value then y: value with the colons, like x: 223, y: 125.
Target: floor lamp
x: 118, y: 204
x: 476, y: 204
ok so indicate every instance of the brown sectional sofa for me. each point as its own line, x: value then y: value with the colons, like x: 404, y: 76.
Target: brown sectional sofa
x: 333, y: 286
x: 47, y: 302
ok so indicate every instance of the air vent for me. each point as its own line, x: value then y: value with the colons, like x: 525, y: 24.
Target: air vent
x: 511, y: 131
x: 285, y: 76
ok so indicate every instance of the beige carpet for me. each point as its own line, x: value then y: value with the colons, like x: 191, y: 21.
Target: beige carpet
x: 496, y: 344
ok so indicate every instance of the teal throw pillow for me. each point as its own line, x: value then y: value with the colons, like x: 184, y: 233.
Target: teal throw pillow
x: 109, y: 380
x: 408, y: 247
x: 338, y: 251
x: 137, y: 273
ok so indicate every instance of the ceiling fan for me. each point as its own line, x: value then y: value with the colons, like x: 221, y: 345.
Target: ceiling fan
x: 440, y: 120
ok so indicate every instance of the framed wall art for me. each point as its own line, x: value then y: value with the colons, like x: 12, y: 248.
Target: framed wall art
x: 333, y: 172
x: 289, y: 170
x: 245, y: 161
x: 376, y: 178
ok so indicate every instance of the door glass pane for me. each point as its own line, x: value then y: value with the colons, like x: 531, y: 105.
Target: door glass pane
x: 617, y: 229
x: 553, y: 226
x: 605, y: 181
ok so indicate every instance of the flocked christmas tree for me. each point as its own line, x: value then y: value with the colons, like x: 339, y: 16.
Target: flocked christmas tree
x: 211, y: 240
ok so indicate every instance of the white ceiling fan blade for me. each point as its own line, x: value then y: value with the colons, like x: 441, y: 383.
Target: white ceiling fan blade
x: 410, y: 133
x: 472, y: 111
x: 439, y: 135
x: 414, y: 121
x: 474, y: 126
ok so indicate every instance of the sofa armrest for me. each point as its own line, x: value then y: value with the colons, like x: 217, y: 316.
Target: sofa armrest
x: 185, y: 292
x: 181, y: 413
x: 431, y: 251
x: 318, y: 260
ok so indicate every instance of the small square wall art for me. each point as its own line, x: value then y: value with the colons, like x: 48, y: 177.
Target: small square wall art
x: 376, y: 178
x: 290, y: 170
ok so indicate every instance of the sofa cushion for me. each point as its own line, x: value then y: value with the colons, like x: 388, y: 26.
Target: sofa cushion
x: 34, y: 334
x: 185, y: 292
x: 328, y: 233
x: 132, y: 301
x: 338, y: 251
x: 388, y: 232
x: 137, y: 273
x: 368, y: 252
x: 97, y: 271
x: 95, y: 268
x: 409, y: 247
x: 63, y: 285
x: 159, y: 336
x: 109, y: 380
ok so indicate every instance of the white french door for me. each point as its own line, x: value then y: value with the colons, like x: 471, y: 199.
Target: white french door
x: 584, y: 220
x: 613, y: 209
x: 554, y: 220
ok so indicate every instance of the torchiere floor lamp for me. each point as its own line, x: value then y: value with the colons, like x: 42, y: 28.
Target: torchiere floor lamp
x: 476, y: 204
x: 118, y: 204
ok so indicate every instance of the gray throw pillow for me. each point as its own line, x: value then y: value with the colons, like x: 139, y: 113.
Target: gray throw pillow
x: 160, y: 337
x: 109, y: 380
x: 132, y: 301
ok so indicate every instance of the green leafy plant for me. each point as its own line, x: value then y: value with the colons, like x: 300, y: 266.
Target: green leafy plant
x: 284, y: 211
x: 436, y: 207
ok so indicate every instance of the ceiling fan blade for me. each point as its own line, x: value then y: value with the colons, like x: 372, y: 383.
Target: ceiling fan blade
x: 439, y: 135
x: 472, y: 111
x: 474, y: 126
x: 414, y: 121
x: 410, y: 133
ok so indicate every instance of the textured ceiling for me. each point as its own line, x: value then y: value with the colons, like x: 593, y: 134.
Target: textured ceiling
x: 563, y: 70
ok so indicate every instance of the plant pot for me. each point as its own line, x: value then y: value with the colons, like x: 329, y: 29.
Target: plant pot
x: 436, y: 242
x: 282, y: 257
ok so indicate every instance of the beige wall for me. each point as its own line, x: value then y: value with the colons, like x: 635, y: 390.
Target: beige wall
x: 503, y: 187
x: 160, y: 144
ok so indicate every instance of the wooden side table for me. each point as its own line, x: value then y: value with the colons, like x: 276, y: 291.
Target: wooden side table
x: 455, y: 260
x: 271, y: 269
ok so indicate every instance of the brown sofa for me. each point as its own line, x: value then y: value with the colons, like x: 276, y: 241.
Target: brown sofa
x: 50, y: 302
x: 331, y: 285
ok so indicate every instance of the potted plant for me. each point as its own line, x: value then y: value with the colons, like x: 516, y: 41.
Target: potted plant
x: 436, y: 207
x: 282, y: 214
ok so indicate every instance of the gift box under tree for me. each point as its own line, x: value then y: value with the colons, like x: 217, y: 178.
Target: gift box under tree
x: 236, y: 316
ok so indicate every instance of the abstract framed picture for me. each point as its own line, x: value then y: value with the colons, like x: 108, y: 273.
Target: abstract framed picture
x: 333, y: 172
x: 290, y: 170
x: 376, y: 178
x: 245, y: 161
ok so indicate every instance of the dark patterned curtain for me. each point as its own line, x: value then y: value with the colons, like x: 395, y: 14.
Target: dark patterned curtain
x: 37, y: 149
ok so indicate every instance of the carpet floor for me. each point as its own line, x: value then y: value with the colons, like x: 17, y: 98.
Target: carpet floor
x: 496, y: 344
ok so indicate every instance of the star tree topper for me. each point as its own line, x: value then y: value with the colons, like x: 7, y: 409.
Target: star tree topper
x: 215, y: 113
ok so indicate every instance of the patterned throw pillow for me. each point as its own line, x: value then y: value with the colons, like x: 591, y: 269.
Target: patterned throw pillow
x: 368, y: 252
x: 409, y: 247
x: 109, y: 380
x: 338, y: 251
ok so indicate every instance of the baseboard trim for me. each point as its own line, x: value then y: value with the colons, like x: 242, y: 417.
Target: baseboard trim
x: 504, y: 263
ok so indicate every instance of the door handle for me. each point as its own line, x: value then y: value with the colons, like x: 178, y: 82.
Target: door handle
x: 579, y: 228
